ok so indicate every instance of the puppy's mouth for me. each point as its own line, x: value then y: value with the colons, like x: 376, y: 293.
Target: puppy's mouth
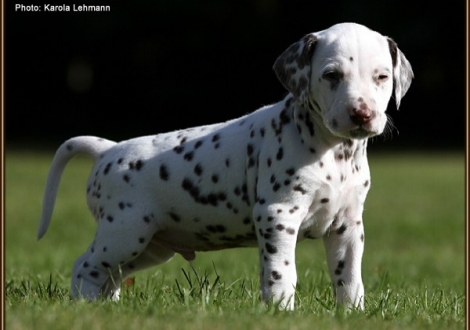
x: 358, y: 132
x: 361, y: 133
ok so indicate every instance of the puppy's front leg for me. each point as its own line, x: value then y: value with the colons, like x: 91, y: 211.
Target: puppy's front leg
x: 277, y: 238
x: 344, y: 245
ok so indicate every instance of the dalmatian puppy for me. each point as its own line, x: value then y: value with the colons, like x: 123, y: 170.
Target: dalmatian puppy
x: 289, y: 171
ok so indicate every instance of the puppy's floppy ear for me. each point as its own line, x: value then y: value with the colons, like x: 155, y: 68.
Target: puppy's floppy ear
x: 402, y: 72
x: 293, y: 67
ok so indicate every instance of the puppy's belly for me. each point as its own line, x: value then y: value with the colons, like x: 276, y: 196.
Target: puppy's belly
x: 213, y: 238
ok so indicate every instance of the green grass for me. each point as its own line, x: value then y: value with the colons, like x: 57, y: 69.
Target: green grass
x: 413, y: 265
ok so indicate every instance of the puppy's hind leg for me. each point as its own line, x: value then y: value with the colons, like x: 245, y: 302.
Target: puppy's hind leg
x: 118, y: 241
x: 85, y: 281
x: 152, y: 255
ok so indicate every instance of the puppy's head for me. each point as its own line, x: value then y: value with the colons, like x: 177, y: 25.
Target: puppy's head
x: 346, y: 74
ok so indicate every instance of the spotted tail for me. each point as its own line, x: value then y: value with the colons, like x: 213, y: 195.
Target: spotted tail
x: 87, y: 145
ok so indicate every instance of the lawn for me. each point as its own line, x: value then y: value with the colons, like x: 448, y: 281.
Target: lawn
x: 413, y: 266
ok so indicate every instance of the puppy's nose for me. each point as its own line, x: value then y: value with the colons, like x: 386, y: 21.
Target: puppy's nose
x: 361, y: 116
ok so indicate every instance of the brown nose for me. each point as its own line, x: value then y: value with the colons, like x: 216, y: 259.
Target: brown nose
x: 361, y: 116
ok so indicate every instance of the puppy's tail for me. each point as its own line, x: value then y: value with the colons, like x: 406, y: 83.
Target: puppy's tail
x: 87, y: 145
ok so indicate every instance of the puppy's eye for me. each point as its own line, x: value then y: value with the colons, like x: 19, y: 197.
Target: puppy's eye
x: 332, y: 75
x: 383, y: 77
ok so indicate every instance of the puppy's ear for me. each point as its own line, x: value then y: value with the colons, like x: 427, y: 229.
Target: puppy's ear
x: 293, y: 67
x: 402, y: 72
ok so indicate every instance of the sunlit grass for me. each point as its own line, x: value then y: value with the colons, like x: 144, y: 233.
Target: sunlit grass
x: 413, y: 266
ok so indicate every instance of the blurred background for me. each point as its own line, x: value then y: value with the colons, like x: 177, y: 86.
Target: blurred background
x: 149, y: 67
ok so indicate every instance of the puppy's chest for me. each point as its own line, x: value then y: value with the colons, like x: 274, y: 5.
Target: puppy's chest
x: 339, y: 198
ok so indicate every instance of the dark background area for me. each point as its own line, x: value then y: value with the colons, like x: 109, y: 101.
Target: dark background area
x: 148, y: 67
